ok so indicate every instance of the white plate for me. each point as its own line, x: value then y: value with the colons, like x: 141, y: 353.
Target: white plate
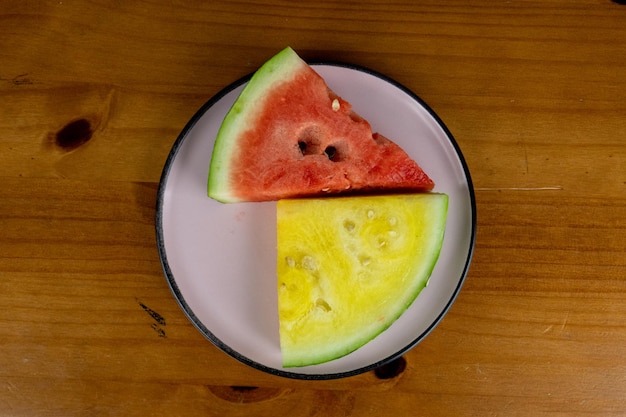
x: 219, y: 259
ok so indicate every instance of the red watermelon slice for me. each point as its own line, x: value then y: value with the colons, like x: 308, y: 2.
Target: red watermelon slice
x: 288, y: 135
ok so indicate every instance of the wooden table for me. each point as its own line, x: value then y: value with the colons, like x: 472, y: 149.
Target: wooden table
x: 93, y: 95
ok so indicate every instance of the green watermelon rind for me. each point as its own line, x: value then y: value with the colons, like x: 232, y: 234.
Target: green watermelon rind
x: 313, y: 356
x: 281, y: 68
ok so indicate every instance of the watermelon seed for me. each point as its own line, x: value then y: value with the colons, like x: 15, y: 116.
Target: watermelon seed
x: 336, y: 105
x: 331, y: 152
x: 309, y: 263
x: 322, y: 304
x: 309, y: 140
x: 349, y: 225
x: 365, y: 260
x: 290, y: 261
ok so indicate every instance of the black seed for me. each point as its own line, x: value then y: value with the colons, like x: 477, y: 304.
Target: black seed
x: 330, y: 152
x: 302, y: 146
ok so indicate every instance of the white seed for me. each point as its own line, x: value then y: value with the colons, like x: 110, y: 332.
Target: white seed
x: 309, y: 263
x: 370, y: 214
x: 336, y: 105
x: 290, y: 261
x: 365, y: 260
x: 327, y: 189
x: 393, y: 221
x: 393, y: 233
x: 349, y: 225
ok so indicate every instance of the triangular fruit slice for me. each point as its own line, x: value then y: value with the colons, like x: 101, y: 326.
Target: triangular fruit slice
x: 288, y: 135
x: 349, y: 267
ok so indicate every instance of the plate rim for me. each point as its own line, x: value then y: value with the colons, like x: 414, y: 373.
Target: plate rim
x: 171, y: 280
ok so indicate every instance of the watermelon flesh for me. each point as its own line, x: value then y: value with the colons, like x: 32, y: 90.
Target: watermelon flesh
x: 349, y: 267
x: 288, y: 135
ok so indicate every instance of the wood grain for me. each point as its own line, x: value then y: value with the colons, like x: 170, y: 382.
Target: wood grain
x: 93, y: 95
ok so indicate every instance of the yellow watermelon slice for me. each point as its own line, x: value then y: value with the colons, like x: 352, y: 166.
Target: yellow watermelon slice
x: 349, y: 267
x: 288, y: 135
